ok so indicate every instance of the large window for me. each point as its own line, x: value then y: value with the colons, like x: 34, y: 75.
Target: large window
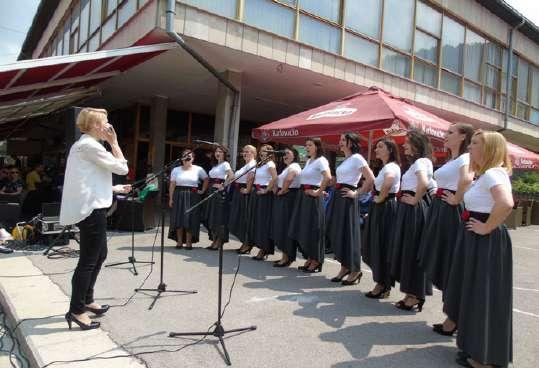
x: 426, y: 47
x: 271, y: 16
x: 319, y: 34
x: 425, y: 73
x: 428, y: 19
x: 452, y: 45
x: 226, y: 8
x: 95, y: 15
x: 363, y: 17
x: 399, y: 27
x: 84, y: 21
x: 473, y: 56
x: 396, y: 63
x: 361, y: 50
x: 327, y: 9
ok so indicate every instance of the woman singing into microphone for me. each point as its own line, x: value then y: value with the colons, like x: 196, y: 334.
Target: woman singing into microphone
x: 307, y: 224
x: 381, y: 219
x: 343, y: 227
x: 86, y: 195
x: 479, y: 292
x: 184, y: 194
x: 443, y: 220
x: 240, y: 199
x: 409, y: 223
x: 217, y: 208
x: 283, y: 204
x: 261, y: 202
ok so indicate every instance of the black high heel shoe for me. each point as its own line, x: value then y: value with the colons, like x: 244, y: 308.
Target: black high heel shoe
x: 357, y: 279
x: 83, y: 326
x: 384, y: 293
x: 439, y: 329
x: 245, y: 251
x: 98, y: 311
x: 260, y: 257
x: 314, y: 270
x: 339, y: 279
x: 279, y: 264
x: 304, y: 267
x: 401, y: 304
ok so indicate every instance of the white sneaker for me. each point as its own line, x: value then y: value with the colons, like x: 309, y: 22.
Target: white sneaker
x: 4, y: 235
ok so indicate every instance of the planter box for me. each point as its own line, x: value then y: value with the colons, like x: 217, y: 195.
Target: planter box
x: 535, y: 213
x: 514, y: 219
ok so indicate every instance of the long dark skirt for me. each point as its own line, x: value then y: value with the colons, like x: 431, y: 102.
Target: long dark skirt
x: 438, y: 241
x: 377, y: 238
x: 479, y: 295
x: 405, y: 268
x: 183, y: 200
x: 283, y: 207
x: 216, y: 217
x: 307, y: 226
x: 343, y: 231
x: 237, y: 223
x: 259, y: 226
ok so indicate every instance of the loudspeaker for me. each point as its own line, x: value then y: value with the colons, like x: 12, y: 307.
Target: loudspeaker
x: 72, y: 133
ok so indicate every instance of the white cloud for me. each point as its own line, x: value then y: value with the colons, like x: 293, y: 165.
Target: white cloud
x: 528, y: 8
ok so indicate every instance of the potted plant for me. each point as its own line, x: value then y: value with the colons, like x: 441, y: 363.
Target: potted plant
x: 526, y: 192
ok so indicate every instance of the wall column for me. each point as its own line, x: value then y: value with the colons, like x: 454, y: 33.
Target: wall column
x: 227, y: 114
x: 158, y: 129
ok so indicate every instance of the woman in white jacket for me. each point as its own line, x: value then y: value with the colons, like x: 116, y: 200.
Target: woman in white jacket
x: 87, y: 194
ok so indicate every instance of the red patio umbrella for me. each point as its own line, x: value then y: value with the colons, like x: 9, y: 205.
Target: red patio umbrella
x: 522, y: 158
x: 374, y: 112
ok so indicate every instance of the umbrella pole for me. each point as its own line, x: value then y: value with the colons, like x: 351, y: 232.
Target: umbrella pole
x: 370, y: 147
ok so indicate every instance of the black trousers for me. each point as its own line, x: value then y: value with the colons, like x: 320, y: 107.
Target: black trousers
x: 93, y: 251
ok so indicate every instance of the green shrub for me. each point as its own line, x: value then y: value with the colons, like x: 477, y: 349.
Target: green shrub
x: 527, y: 183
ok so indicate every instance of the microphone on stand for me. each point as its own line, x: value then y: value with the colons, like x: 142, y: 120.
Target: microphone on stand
x: 206, y: 142
x: 276, y: 152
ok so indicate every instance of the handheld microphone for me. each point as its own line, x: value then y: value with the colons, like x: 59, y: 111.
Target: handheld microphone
x: 276, y: 152
x: 206, y: 142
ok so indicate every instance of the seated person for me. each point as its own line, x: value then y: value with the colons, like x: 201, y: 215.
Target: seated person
x: 4, y: 176
x: 14, y: 185
x: 34, y: 177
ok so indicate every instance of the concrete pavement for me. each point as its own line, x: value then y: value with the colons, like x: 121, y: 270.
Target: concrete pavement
x: 303, y: 320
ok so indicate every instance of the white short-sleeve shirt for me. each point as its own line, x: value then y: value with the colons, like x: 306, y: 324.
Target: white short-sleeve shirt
x: 389, y: 168
x: 349, y: 171
x: 478, y: 197
x: 245, y: 168
x: 409, y: 178
x: 448, y: 176
x: 312, y: 172
x: 293, y: 167
x: 219, y: 171
x: 263, y: 174
x: 188, y: 178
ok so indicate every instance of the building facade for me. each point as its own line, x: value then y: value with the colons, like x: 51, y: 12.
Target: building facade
x: 449, y: 56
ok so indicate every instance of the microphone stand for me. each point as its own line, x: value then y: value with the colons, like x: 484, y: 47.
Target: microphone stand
x: 131, y: 260
x: 218, y: 329
x: 162, y: 287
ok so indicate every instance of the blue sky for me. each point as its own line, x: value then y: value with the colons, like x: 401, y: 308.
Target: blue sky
x: 16, y: 17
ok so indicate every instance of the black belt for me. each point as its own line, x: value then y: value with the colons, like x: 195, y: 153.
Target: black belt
x: 187, y: 188
x: 289, y: 189
x: 217, y: 181
x: 238, y: 186
x: 440, y: 192
x: 389, y: 195
x: 342, y: 185
x: 481, y: 216
x: 402, y: 192
x: 260, y: 186
x: 305, y: 187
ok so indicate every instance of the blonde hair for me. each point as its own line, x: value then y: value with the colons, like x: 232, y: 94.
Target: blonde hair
x: 89, y: 117
x: 250, y: 148
x: 494, y: 152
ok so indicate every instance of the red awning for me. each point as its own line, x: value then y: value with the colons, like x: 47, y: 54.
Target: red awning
x: 374, y: 110
x: 35, y: 87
